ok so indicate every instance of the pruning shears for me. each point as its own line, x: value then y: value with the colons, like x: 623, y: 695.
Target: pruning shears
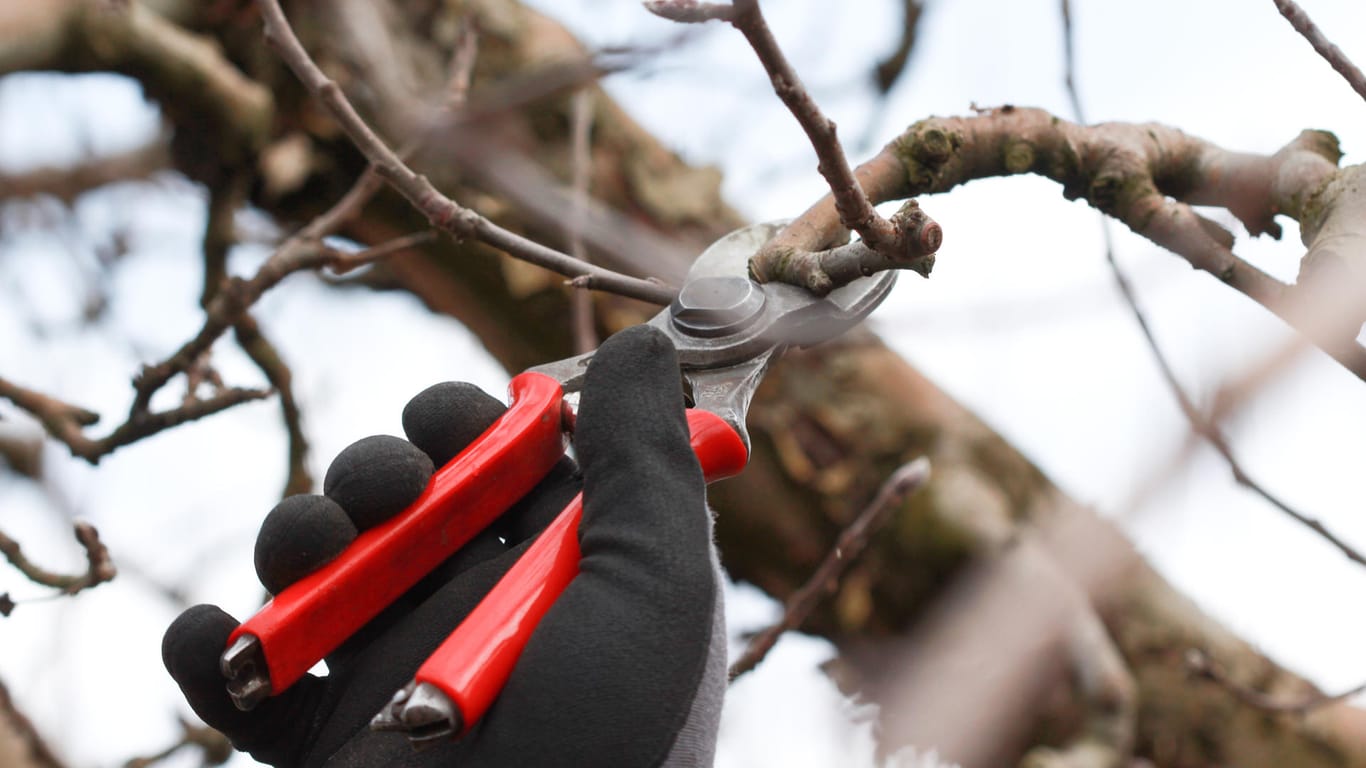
x: 727, y: 329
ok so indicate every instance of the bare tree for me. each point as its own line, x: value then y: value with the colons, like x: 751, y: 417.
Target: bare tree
x: 989, y: 615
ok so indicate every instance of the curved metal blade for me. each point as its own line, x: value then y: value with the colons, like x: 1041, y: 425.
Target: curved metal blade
x: 791, y: 316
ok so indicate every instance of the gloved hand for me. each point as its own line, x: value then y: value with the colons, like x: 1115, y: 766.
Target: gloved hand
x: 627, y: 668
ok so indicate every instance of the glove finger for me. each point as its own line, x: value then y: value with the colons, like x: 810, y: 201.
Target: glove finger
x: 444, y: 418
x: 377, y: 477
x: 640, y: 474
x: 440, y: 422
x: 301, y: 534
x: 628, y: 640
x: 370, y: 481
x: 370, y: 676
x: 276, y: 730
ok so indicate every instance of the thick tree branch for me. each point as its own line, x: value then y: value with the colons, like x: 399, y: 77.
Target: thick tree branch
x: 1147, y: 176
x: 185, y: 72
x: 1110, y: 697
x: 1203, y: 666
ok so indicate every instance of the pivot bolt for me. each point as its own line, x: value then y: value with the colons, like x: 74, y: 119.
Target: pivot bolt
x: 717, y: 306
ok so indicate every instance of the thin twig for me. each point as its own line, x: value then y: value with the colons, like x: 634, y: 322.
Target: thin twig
x: 342, y: 262
x: 226, y: 307
x: 1202, y: 665
x: 1070, y: 63
x: 690, y: 11
x: 462, y: 65
x: 900, y: 241
x: 268, y: 359
x: 855, y: 210
x: 219, y: 237
x: 214, y: 746
x: 1331, y: 53
x: 851, y: 543
x: 303, y: 250
x: 231, y: 298
x: 68, y: 183
x: 581, y: 166
x: 65, y: 421
x: 439, y: 209
x: 890, y: 69
x: 1205, y: 426
x: 99, y: 566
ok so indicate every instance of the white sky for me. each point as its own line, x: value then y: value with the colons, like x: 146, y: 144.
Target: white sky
x: 1020, y: 321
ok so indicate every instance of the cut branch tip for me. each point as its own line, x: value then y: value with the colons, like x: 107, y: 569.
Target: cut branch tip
x: 690, y: 11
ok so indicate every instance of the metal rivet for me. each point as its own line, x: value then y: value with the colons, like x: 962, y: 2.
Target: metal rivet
x: 716, y: 306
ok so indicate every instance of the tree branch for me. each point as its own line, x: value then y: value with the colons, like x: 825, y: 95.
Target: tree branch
x: 889, y: 70
x: 440, y: 210
x: 35, y: 748
x: 187, y: 73
x: 848, y: 547
x: 219, y: 237
x: 227, y: 303
x: 1205, y: 427
x: 213, y: 745
x: 68, y: 183
x: 268, y: 359
x: 581, y: 159
x: 99, y: 566
x: 64, y: 421
x: 1147, y: 176
x: 1202, y: 665
x: 1300, y: 20
x: 902, y: 242
x: 1109, y: 695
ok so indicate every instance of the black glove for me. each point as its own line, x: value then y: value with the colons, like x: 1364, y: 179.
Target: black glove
x: 627, y: 668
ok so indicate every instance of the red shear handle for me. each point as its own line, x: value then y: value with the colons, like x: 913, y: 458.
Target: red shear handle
x: 313, y: 616
x: 475, y: 661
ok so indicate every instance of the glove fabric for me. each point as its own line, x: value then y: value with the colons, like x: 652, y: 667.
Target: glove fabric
x: 627, y: 668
